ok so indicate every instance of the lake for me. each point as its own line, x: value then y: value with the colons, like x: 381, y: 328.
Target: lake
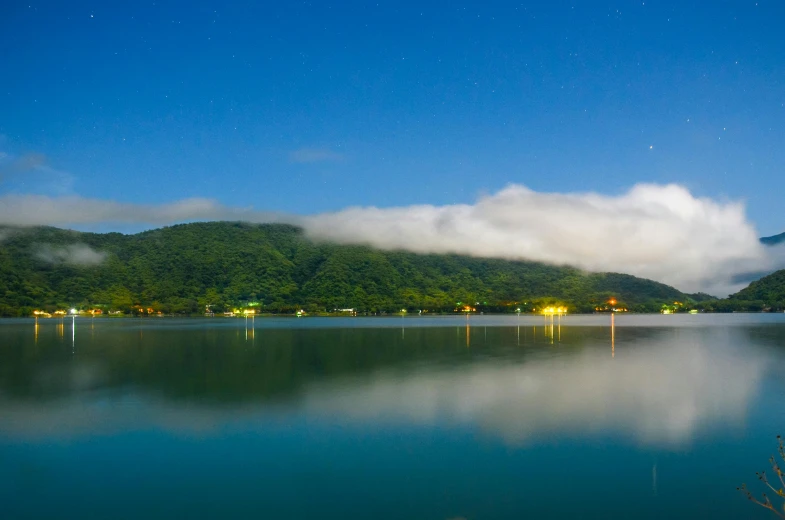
x: 486, y: 417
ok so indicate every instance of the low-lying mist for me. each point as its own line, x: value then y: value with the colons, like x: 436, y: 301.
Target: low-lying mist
x: 661, y: 232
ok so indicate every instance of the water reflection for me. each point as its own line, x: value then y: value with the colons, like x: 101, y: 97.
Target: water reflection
x: 666, y: 387
x: 252, y: 330
x: 613, y: 335
x: 663, y: 392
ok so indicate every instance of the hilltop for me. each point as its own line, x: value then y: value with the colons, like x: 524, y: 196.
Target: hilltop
x: 769, y: 290
x: 766, y: 293
x: 773, y: 240
x: 184, y: 267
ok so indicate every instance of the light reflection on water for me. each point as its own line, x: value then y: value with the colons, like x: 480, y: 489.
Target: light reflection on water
x: 661, y: 392
x: 467, y: 401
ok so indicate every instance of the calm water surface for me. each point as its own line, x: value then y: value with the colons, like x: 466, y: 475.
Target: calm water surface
x: 389, y: 418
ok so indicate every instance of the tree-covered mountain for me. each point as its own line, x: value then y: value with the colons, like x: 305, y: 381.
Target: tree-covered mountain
x: 767, y: 293
x: 770, y: 290
x: 182, y: 268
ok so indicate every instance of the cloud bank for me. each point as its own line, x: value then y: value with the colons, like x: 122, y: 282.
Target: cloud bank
x: 42, y: 210
x: 660, y: 232
x: 72, y: 254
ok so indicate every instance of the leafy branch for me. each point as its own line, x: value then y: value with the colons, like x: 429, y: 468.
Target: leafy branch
x: 765, y: 501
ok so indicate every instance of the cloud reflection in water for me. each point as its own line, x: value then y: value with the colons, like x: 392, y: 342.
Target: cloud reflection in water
x: 661, y: 392
x: 665, y: 388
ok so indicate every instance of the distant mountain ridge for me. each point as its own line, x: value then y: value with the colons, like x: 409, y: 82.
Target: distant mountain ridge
x: 182, y: 268
x: 773, y: 240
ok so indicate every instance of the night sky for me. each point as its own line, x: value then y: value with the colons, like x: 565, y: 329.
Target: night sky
x: 312, y: 107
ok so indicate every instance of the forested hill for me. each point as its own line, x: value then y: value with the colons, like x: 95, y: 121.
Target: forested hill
x: 770, y: 290
x: 182, y: 268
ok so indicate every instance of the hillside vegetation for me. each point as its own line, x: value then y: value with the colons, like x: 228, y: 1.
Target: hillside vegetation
x: 768, y: 293
x: 182, y: 268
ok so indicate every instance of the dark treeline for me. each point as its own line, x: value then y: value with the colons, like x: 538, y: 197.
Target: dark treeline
x: 183, y: 268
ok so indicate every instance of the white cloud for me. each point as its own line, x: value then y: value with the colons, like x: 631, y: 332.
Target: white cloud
x: 72, y: 254
x: 39, y: 210
x: 659, y: 232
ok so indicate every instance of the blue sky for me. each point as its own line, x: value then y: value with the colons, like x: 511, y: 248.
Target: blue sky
x: 312, y: 107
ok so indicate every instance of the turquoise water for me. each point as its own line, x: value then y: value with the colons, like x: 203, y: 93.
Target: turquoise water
x: 418, y: 418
